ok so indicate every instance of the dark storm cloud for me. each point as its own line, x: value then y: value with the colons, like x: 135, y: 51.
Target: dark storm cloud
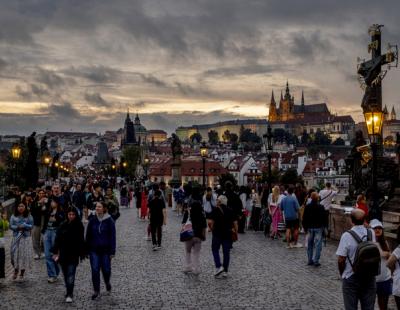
x: 98, y: 74
x: 33, y: 91
x: 64, y: 109
x: 306, y: 46
x: 97, y: 99
x: 151, y: 79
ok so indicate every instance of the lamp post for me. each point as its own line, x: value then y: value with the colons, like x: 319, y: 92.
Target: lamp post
x: 204, y: 154
x: 46, y: 161
x: 268, y: 146
x: 16, y: 154
x: 374, y: 121
x: 146, y: 165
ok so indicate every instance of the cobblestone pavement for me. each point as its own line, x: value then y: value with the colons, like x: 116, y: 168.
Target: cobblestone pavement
x: 263, y: 275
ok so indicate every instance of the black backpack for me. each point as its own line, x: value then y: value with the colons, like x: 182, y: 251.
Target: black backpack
x: 367, y: 260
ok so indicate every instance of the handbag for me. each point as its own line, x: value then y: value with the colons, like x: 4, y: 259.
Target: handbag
x: 234, y: 236
x: 187, y: 231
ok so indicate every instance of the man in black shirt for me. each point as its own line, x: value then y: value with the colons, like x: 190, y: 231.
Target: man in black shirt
x: 223, y: 224
x: 157, y: 219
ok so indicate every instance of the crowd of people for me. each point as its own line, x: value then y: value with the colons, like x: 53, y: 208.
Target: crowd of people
x: 75, y: 221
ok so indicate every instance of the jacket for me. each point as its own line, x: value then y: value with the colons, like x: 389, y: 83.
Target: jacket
x: 314, y: 216
x: 198, y: 220
x: 70, y: 242
x: 57, y: 223
x: 26, y: 222
x: 100, y: 235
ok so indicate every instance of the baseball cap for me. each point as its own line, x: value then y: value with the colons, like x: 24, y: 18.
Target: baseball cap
x: 375, y: 223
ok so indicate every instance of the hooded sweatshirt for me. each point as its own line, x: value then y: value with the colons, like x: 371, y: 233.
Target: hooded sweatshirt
x: 100, y: 235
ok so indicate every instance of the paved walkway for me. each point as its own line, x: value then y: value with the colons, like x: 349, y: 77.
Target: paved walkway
x: 263, y: 275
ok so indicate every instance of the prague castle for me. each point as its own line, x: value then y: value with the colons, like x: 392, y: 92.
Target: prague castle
x: 294, y: 118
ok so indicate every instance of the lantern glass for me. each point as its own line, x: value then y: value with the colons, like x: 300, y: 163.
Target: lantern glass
x: 16, y: 152
x: 374, y: 122
x: 203, y: 150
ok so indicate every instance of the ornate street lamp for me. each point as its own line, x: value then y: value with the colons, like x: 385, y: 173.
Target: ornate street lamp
x: 204, y: 154
x: 16, y: 154
x: 47, y: 161
x: 268, y: 140
x: 374, y: 121
x: 146, y: 165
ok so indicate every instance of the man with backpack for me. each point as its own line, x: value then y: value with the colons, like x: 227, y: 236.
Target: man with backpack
x: 358, y: 263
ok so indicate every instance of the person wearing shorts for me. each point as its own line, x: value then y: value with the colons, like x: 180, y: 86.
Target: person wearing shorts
x: 290, y: 208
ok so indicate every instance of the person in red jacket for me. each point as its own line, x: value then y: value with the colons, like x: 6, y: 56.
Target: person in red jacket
x: 361, y: 204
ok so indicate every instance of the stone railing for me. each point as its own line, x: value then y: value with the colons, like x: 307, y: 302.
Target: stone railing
x: 8, y: 207
x: 339, y: 220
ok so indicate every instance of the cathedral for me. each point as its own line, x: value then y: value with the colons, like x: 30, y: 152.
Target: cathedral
x: 133, y: 133
x: 288, y: 111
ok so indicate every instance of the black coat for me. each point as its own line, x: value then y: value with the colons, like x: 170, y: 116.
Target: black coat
x: 70, y: 243
x: 314, y: 216
x: 198, y: 220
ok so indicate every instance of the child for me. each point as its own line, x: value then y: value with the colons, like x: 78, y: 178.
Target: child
x: 3, y: 228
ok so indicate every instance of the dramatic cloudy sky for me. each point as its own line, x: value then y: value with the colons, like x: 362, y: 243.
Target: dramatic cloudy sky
x: 78, y: 65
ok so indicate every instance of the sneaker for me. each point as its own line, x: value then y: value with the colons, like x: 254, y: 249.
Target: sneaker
x: 158, y: 247
x: 298, y: 245
x: 219, y: 271
x: 95, y: 295
x: 317, y: 264
x: 36, y: 257
x: 52, y: 279
x: 68, y: 300
x: 154, y: 248
x: 289, y: 246
x: 224, y: 274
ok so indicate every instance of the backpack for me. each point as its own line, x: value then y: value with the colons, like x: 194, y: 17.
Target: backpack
x: 367, y: 259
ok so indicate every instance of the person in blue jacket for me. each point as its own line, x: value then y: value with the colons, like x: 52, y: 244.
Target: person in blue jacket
x: 100, y: 242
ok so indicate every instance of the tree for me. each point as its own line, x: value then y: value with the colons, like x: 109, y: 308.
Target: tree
x: 249, y: 136
x: 275, y: 176
x: 196, y: 138
x: 234, y: 138
x: 226, y: 136
x: 305, y: 138
x: 213, y: 137
x: 322, y: 138
x: 131, y: 156
x: 279, y: 135
x: 338, y: 141
x: 223, y: 178
x: 290, y: 176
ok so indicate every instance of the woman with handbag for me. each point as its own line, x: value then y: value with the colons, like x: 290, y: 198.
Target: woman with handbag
x: 196, y: 217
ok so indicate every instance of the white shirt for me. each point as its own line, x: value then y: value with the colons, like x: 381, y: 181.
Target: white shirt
x: 208, y: 205
x: 326, y: 196
x: 396, y: 273
x: 348, y: 246
x: 385, y: 273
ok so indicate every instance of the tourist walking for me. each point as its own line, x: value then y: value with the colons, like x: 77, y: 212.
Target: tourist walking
x: 360, y: 286
x: 314, y: 221
x: 69, y: 248
x: 209, y: 202
x: 143, y: 205
x: 3, y: 228
x: 21, y: 224
x: 101, y: 243
x: 112, y: 204
x: 52, y: 221
x: 223, y: 225
x: 196, y: 216
x: 394, y: 265
x: 38, y: 211
x: 384, y: 278
x: 275, y: 211
x: 157, y: 219
x: 290, y: 208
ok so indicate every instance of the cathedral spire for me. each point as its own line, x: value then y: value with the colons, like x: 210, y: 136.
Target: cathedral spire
x: 281, y: 96
x: 273, y: 98
x: 302, y: 97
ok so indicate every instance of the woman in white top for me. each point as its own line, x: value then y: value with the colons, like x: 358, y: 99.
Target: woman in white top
x: 394, y: 265
x: 384, y: 279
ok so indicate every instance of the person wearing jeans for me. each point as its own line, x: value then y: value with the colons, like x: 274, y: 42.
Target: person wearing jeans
x: 193, y: 246
x: 101, y: 243
x: 52, y: 221
x: 38, y: 210
x: 69, y: 248
x: 223, y: 224
x: 314, y: 221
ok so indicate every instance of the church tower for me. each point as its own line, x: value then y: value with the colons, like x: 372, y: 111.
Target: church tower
x: 272, y: 115
x: 393, y: 114
x: 385, y: 114
x: 286, y: 106
x: 129, y: 137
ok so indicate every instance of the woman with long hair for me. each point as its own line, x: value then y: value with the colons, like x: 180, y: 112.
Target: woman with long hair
x: 69, y: 248
x: 21, y: 224
x: 275, y: 211
x: 384, y: 279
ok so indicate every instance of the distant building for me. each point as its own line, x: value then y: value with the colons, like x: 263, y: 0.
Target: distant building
x: 156, y: 135
x: 102, y: 157
x: 128, y: 135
